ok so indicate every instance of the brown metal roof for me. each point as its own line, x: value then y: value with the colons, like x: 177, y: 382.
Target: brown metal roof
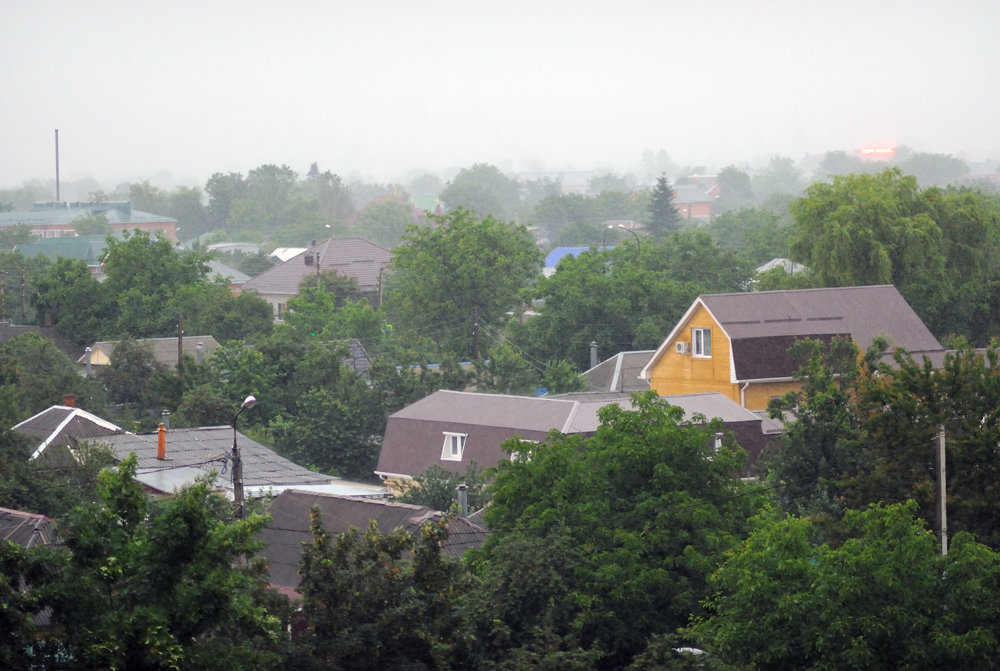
x: 414, y: 436
x: 862, y: 312
x: 350, y: 257
x: 289, y: 527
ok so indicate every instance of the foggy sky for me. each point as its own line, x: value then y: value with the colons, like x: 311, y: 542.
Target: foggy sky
x: 379, y: 88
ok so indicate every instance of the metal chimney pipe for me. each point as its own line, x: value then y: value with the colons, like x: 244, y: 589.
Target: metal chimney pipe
x: 166, y: 418
x: 463, y: 499
x: 88, y: 352
x: 161, y: 443
x: 593, y: 353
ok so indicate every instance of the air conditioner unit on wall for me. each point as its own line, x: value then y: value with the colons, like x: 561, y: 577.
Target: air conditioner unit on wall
x: 682, y: 347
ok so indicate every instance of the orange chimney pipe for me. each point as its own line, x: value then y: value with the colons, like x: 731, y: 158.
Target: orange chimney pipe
x: 161, y: 442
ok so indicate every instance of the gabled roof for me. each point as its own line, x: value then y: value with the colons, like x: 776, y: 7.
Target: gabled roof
x: 65, y: 426
x: 289, y: 527
x: 350, y: 257
x: 552, y: 259
x: 164, y: 349
x: 414, y: 436
x: 620, y: 372
x: 862, y: 313
x: 26, y: 529
x: 231, y: 275
x: 199, y: 451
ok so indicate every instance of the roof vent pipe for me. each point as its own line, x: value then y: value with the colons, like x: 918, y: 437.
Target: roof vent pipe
x: 161, y: 443
x: 166, y: 418
x: 593, y: 353
x: 463, y: 500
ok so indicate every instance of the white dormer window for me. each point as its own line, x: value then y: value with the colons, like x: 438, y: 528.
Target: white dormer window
x: 701, y: 342
x: 454, y: 445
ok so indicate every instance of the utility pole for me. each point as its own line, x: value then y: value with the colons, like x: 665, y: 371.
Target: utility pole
x: 942, y: 490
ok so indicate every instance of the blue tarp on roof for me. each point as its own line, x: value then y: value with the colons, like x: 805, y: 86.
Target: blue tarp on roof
x: 553, y: 258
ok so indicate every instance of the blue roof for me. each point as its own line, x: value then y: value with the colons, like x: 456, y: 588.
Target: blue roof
x: 553, y: 258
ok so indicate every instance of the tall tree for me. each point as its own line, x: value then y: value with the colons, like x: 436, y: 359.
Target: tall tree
x: 145, y: 586
x: 485, y: 190
x: 883, y: 598
x: 635, y: 517
x: 458, y: 275
x: 663, y: 216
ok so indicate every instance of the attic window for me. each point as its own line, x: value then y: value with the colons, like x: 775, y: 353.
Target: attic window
x: 701, y: 342
x: 454, y: 445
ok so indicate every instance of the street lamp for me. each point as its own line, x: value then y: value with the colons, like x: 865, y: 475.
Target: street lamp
x: 237, y: 463
x: 638, y: 249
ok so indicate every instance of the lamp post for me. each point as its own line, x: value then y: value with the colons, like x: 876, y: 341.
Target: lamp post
x: 638, y: 249
x: 238, y: 463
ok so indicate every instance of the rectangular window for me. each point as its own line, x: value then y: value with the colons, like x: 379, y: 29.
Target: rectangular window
x: 454, y: 445
x: 701, y: 342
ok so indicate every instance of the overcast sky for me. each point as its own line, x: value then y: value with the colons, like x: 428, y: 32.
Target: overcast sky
x: 377, y: 89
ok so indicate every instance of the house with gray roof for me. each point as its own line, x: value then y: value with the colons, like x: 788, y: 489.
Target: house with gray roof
x: 192, y: 453
x: 737, y: 344
x: 454, y: 429
x: 354, y: 257
x: 60, y: 430
x: 290, y: 520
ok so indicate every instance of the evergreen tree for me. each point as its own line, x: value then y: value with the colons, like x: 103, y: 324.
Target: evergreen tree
x: 663, y: 216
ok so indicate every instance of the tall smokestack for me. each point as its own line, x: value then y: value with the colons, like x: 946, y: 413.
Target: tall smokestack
x: 57, y: 165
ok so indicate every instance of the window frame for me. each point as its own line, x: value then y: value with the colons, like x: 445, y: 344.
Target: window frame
x: 454, y: 446
x: 700, y: 337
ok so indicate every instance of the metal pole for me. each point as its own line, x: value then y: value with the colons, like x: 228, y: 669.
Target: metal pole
x: 238, y: 511
x: 942, y: 490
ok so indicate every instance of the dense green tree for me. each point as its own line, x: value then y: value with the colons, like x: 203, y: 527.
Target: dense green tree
x: 884, y: 598
x: 458, y: 274
x: 841, y: 163
x: 936, y: 246
x: 933, y: 169
x: 781, y: 176
x: 158, y: 586
x: 369, y: 608
x: 212, y: 309
x: 384, y: 221
x: 69, y: 295
x: 333, y: 197
x: 142, y: 275
x: 642, y: 512
x: 663, y: 216
x: 622, y: 301
x: 809, y: 463
x: 128, y: 374
x: 485, y: 190
x: 735, y: 191
x: 759, y: 234
x: 223, y: 191
x: 36, y: 374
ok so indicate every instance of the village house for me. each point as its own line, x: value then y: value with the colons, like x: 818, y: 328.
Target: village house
x: 737, y: 344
